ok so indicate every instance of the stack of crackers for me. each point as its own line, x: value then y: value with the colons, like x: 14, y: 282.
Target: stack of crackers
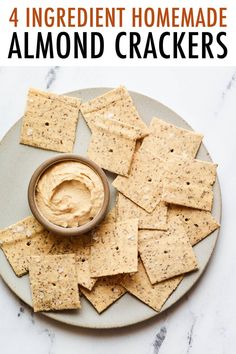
x: 163, y: 207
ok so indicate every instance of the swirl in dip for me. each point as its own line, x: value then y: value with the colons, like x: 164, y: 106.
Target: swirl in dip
x: 69, y: 194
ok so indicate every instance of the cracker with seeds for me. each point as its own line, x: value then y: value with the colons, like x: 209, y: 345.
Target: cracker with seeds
x: 144, y: 184
x: 114, y: 249
x: 154, y: 296
x: 106, y: 291
x: 80, y: 247
x: 166, y: 139
x: 126, y: 210
x: 50, y: 121
x: 189, y: 183
x: 198, y: 224
x: 109, y: 218
x: 117, y: 105
x: 112, y: 145
x: 166, y: 254
x: 24, y: 239
x: 53, y: 281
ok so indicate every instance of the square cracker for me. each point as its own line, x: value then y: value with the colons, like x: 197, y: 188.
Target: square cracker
x: 166, y: 254
x: 116, y: 104
x: 109, y: 218
x: 50, y: 121
x: 166, y: 139
x: 53, y: 281
x: 114, y: 249
x: 105, y: 292
x: 144, y: 184
x: 80, y: 247
x: 112, y: 145
x: 189, y: 183
x: 126, y: 210
x: 24, y: 239
x: 154, y: 296
x: 198, y: 224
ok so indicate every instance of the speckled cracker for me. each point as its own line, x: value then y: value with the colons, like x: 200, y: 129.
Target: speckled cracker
x: 109, y: 218
x: 168, y: 253
x: 50, y: 121
x: 126, y: 210
x: 198, y: 224
x: 80, y: 246
x: 189, y: 183
x: 116, y: 104
x: 166, y: 139
x: 105, y: 292
x: 53, y: 281
x: 112, y: 145
x: 114, y: 249
x: 144, y: 184
x: 23, y: 239
x: 154, y: 296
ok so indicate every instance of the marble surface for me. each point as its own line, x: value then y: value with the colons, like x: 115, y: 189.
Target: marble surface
x: 205, y: 320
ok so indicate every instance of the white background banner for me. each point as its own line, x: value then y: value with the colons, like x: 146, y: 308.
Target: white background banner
x: 65, y: 37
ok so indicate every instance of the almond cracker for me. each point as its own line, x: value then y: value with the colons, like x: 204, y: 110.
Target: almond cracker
x: 166, y: 139
x: 144, y: 184
x: 50, y: 121
x: 53, y: 281
x: 80, y: 246
x: 166, y: 254
x: 189, y: 183
x: 198, y: 224
x: 126, y: 210
x: 154, y: 296
x: 116, y: 104
x: 106, y: 291
x: 23, y: 239
x: 112, y: 145
x: 114, y: 249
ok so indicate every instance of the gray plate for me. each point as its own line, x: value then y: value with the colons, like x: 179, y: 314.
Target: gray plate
x: 18, y: 162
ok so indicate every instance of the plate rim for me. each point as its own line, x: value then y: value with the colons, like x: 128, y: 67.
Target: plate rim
x: 53, y: 316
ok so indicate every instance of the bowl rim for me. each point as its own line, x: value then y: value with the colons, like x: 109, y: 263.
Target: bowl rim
x: 60, y: 230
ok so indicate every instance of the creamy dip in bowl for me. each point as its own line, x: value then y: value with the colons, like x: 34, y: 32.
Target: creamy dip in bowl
x: 69, y: 194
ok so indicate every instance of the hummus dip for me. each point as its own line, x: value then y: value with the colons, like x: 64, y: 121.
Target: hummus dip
x: 69, y: 194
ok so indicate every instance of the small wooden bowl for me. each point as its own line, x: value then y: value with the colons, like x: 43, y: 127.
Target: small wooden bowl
x: 59, y: 230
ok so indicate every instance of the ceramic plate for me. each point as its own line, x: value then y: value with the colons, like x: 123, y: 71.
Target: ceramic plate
x: 18, y: 162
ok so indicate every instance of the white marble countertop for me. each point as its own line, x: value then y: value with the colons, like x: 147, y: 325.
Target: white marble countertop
x: 205, y: 320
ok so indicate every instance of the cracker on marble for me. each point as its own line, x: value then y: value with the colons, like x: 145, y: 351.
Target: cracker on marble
x: 144, y: 184
x: 168, y: 253
x: 80, y: 247
x: 126, y: 209
x: 106, y: 291
x: 154, y: 296
x: 112, y: 145
x: 166, y: 139
x: 53, y: 281
x: 50, y: 121
x: 114, y: 249
x: 116, y: 104
x: 198, y: 224
x: 189, y: 183
x: 23, y: 239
